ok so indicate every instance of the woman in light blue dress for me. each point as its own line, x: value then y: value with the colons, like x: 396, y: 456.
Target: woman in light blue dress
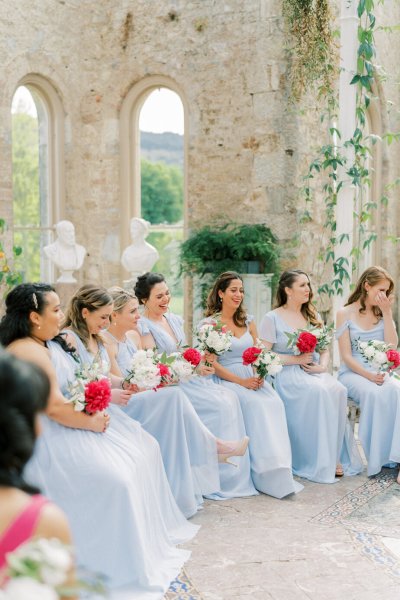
x: 263, y: 410
x: 316, y: 403
x: 103, y: 469
x: 188, y: 448
x: 368, y: 316
x: 217, y: 408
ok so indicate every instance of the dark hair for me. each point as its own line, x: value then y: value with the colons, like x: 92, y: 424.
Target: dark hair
x: 372, y: 275
x: 89, y: 296
x: 25, y: 392
x: 20, y: 303
x: 308, y: 310
x: 145, y: 284
x: 214, y: 303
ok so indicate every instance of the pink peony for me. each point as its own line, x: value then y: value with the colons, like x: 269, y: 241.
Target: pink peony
x: 306, y: 342
x: 192, y: 356
x: 250, y: 355
x: 97, y: 395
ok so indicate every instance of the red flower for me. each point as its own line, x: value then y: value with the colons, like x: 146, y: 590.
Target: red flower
x: 97, y: 395
x: 163, y: 370
x: 306, y: 342
x: 250, y: 355
x: 192, y: 356
x: 394, y: 357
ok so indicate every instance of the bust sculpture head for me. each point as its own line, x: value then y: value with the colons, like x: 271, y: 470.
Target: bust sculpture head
x: 65, y: 253
x: 140, y: 256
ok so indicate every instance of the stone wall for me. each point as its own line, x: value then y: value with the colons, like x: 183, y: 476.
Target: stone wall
x: 247, y: 146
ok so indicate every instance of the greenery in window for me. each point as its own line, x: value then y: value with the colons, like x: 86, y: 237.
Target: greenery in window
x: 162, y: 193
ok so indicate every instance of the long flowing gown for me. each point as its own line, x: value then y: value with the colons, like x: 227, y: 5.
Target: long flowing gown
x: 316, y: 412
x: 265, y: 421
x: 379, y: 426
x: 188, y: 448
x: 113, y: 488
x: 218, y: 409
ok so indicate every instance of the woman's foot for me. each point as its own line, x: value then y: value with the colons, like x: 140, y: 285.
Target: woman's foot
x: 228, y: 449
x: 339, y: 470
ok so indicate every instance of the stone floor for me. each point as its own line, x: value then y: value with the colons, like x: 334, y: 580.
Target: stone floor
x: 330, y: 542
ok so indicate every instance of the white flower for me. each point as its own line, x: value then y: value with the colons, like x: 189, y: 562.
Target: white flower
x: 24, y: 588
x: 362, y: 345
x: 369, y: 352
x: 380, y: 358
x: 274, y: 369
x: 79, y: 406
x: 182, y: 369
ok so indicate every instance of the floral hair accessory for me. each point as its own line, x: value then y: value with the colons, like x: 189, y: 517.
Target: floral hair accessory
x: 35, y: 302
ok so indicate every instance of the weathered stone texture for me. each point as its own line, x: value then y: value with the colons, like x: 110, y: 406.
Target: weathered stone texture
x: 248, y: 146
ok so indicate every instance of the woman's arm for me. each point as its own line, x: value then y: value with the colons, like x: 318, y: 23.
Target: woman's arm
x: 147, y: 341
x: 134, y: 336
x: 385, y: 304
x: 346, y: 354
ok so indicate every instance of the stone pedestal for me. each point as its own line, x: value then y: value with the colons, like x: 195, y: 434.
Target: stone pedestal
x: 65, y: 291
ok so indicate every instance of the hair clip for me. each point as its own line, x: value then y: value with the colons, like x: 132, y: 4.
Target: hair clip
x: 35, y: 302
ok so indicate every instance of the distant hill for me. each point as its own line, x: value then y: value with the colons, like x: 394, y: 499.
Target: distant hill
x: 162, y: 147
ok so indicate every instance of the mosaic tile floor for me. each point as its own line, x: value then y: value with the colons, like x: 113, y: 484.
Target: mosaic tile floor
x: 371, y: 514
x: 182, y: 589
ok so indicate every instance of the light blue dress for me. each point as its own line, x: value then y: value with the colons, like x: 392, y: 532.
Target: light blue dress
x: 113, y: 488
x: 316, y: 412
x: 188, y: 448
x: 219, y: 410
x: 265, y: 421
x: 379, y: 427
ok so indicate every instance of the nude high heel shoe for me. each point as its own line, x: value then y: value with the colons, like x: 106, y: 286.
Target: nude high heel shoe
x: 228, y: 449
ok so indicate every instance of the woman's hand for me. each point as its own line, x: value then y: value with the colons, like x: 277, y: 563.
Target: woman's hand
x: 252, y: 383
x: 120, y: 397
x: 99, y: 422
x: 129, y: 387
x: 305, y: 359
x: 377, y: 378
x: 313, y: 368
x: 384, y: 302
x: 205, y: 370
x: 209, y: 357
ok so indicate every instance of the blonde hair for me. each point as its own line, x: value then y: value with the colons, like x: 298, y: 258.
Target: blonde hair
x: 89, y: 296
x: 120, y: 297
x: 372, y: 276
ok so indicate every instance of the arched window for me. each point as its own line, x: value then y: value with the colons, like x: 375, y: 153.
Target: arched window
x: 153, y: 171
x: 37, y: 150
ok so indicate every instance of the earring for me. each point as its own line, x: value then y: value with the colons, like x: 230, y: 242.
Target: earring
x: 38, y: 327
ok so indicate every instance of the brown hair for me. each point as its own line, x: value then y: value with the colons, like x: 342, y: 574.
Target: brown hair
x: 372, y: 275
x: 91, y: 297
x: 214, y: 303
x: 308, y: 310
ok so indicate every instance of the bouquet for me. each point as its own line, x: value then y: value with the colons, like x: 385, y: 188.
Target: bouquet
x: 184, y: 363
x: 379, y: 355
x: 37, y: 570
x: 214, y: 337
x: 264, y: 362
x: 309, y: 340
x: 144, y: 370
x: 91, y: 389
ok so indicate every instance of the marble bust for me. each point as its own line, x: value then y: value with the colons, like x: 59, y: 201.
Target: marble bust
x: 65, y: 253
x: 140, y: 256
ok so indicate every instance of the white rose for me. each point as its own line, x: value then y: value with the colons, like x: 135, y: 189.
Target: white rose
x: 380, y: 358
x: 369, y: 352
x: 362, y: 345
x: 79, y: 406
x: 24, y: 588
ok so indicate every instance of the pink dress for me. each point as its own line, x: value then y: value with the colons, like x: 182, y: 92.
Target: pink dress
x: 21, y: 529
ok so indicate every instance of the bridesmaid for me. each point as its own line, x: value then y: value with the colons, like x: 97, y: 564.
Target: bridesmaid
x: 218, y: 409
x: 263, y: 410
x: 24, y: 513
x: 368, y: 316
x: 103, y: 470
x: 169, y: 416
x: 315, y: 402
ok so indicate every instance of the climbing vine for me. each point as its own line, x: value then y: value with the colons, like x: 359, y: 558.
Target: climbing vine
x: 8, y: 276
x: 331, y: 164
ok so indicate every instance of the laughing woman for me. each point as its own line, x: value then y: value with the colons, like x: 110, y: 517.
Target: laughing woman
x: 169, y: 415
x: 315, y: 402
x: 263, y: 410
x: 103, y: 470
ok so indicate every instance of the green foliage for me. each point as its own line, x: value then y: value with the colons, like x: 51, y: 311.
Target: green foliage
x: 227, y: 247
x: 26, y: 195
x: 162, y: 193
x: 9, y: 276
x: 311, y: 44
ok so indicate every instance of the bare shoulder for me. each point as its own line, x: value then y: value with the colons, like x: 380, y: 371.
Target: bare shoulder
x: 134, y: 336
x: 53, y: 523
x: 29, y: 350
x: 344, y: 313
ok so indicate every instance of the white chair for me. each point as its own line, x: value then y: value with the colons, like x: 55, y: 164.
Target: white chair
x: 353, y: 412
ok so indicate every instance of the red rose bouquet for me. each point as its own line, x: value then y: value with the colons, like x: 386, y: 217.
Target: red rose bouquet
x: 309, y: 340
x: 264, y: 362
x: 91, y: 390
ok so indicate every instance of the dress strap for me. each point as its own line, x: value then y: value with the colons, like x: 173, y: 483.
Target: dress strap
x: 22, y: 528
x: 340, y: 330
